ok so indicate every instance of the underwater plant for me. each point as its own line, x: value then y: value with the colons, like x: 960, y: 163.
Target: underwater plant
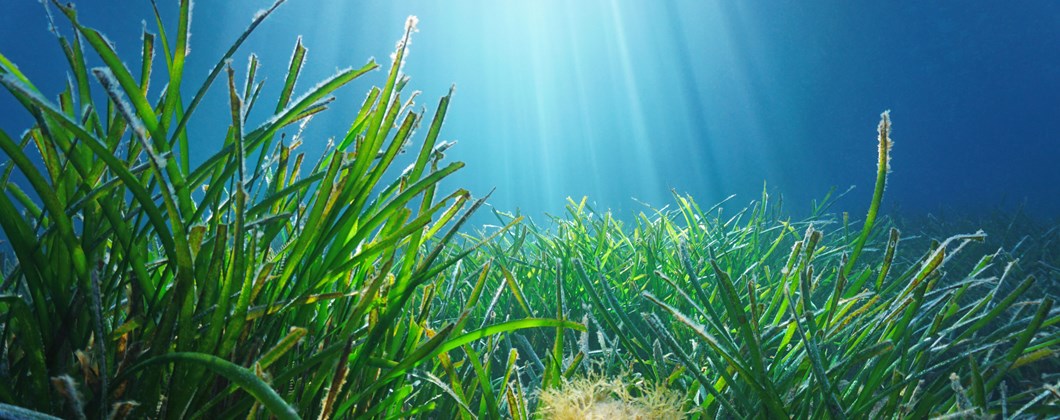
x: 754, y: 315
x: 257, y: 285
x: 251, y: 284
x: 602, y: 398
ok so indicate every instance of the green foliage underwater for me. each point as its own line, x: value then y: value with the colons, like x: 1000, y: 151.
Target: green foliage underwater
x: 258, y: 284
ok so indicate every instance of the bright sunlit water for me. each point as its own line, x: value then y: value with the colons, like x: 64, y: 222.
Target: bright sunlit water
x: 624, y: 100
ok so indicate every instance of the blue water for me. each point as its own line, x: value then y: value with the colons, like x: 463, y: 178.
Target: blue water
x: 618, y: 100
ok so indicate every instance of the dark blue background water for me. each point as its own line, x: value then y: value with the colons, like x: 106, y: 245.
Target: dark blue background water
x: 622, y: 99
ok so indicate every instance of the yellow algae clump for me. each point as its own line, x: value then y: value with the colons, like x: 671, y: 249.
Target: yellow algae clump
x: 597, y: 397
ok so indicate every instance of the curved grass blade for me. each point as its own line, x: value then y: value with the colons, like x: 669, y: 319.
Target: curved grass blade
x: 883, y: 167
x: 241, y: 376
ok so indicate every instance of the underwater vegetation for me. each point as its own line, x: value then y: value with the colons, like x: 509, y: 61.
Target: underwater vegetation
x: 609, y: 398
x: 256, y: 284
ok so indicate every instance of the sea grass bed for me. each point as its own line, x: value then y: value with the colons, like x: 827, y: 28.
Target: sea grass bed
x: 265, y: 283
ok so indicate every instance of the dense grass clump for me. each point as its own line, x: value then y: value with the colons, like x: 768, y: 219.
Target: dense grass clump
x: 753, y: 314
x: 688, y: 298
x: 258, y: 285
x: 254, y: 282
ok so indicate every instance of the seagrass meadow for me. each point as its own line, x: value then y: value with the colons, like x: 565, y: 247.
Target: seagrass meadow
x: 264, y: 283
